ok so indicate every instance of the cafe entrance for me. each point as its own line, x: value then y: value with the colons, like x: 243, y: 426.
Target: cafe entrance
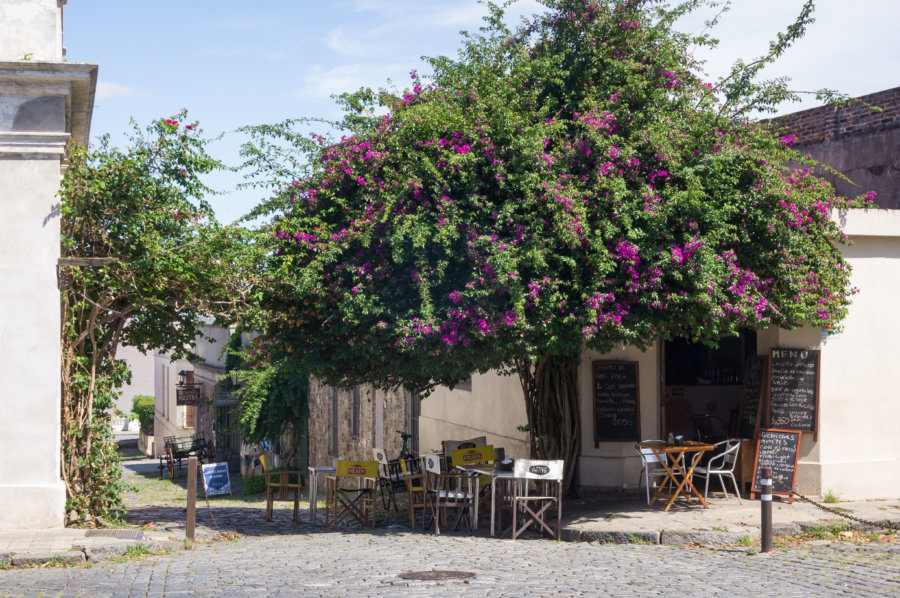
x: 701, y: 386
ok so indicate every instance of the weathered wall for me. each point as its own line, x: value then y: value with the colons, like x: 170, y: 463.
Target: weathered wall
x: 862, y: 144
x: 380, y: 416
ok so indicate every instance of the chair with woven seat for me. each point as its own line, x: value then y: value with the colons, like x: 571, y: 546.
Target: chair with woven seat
x: 721, y: 464
x: 445, y: 491
x: 350, y: 492
x: 283, y: 486
x: 531, y: 505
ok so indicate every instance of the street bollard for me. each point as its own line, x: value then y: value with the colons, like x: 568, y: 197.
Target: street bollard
x: 765, y: 501
x: 191, y: 498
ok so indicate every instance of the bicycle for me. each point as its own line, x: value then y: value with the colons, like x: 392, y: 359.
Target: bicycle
x: 405, y: 453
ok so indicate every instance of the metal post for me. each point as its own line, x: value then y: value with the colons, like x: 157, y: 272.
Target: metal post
x: 765, y: 498
x: 191, y: 498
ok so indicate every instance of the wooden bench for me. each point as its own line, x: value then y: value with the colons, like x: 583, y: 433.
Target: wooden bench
x: 178, y: 449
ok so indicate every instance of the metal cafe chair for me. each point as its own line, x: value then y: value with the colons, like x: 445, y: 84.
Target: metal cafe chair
x: 445, y: 491
x: 651, y: 468
x: 722, y: 465
x: 351, y: 492
x: 532, y: 507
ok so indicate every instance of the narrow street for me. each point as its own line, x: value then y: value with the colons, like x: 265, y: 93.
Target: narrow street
x: 371, y: 563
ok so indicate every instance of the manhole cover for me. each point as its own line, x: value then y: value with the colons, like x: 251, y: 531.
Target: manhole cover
x: 121, y: 534
x: 436, y: 575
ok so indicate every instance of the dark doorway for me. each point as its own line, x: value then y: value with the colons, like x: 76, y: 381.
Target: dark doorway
x: 702, y: 386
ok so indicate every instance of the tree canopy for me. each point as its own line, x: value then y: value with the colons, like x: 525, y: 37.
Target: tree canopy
x: 570, y: 183
x: 144, y: 261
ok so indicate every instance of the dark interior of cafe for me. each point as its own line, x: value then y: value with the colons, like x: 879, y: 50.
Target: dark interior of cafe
x: 702, y: 386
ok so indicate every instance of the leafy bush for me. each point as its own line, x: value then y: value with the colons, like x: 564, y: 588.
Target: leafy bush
x: 143, y: 406
x: 255, y: 484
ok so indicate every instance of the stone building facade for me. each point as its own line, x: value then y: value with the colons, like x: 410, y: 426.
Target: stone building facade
x: 349, y: 424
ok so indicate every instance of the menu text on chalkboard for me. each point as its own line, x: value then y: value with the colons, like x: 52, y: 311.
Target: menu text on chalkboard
x: 616, y: 401
x: 751, y: 398
x: 777, y: 449
x: 793, y: 389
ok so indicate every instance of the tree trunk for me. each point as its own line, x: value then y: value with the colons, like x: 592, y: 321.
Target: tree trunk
x: 551, y: 399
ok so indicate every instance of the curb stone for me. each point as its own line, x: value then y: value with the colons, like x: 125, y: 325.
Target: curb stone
x: 785, y: 529
x: 71, y: 557
x: 605, y: 537
x: 673, y: 538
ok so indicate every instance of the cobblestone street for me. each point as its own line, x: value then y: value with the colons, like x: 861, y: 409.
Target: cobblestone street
x: 370, y: 564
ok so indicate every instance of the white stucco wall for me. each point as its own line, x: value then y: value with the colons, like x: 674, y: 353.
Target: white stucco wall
x: 31, y: 492
x: 141, y: 366
x: 860, y: 401
x: 31, y: 27
x: 494, y: 408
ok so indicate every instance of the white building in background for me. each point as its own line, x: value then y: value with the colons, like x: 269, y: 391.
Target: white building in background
x: 44, y: 102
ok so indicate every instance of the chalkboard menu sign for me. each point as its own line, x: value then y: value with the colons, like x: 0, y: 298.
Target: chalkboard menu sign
x: 777, y: 449
x: 616, y: 401
x: 751, y: 398
x: 793, y: 389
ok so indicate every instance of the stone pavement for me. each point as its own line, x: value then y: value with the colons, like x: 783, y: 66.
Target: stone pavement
x: 157, y: 515
x: 373, y: 563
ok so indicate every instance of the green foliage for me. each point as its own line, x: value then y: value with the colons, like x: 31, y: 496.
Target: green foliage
x: 831, y: 497
x: 161, y: 262
x: 570, y: 183
x: 144, y: 407
x: 255, y: 484
x: 274, y: 392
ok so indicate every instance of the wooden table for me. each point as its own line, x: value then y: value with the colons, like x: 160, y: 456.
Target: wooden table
x: 670, y: 457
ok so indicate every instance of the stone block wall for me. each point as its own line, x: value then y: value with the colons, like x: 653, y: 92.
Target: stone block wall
x: 374, y: 428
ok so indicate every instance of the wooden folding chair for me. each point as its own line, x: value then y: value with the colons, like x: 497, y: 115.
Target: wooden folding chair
x: 283, y: 486
x: 547, y: 478
x: 351, y: 492
x: 444, y: 491
x: 478, y: 455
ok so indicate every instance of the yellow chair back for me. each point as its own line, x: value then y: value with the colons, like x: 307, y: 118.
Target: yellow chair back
x: 357, y: 469
x: 473, y: 456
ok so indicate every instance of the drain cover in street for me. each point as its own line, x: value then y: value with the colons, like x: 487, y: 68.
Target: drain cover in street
x: 121, y: 534
x: 436, y: 575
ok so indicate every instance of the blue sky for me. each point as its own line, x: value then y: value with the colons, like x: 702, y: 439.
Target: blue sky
x: 233, y: 63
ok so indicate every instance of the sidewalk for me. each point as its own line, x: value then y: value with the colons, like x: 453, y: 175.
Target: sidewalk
x: 157, y: 513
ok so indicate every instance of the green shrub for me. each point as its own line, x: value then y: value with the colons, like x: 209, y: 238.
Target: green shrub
x: 143, y: 406
x: 255, y: 484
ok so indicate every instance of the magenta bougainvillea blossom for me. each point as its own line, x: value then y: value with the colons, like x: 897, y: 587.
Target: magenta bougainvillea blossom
x: 570, y: 183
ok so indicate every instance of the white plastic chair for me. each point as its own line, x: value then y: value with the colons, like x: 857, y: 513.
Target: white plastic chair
x: 722, y: 464
x: 651, y: 467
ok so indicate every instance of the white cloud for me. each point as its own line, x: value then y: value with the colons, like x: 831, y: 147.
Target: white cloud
x: 107, y: 90
x: 349, y: 77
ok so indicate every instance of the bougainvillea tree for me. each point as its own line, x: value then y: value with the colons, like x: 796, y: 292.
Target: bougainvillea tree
x: 571, y: 183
